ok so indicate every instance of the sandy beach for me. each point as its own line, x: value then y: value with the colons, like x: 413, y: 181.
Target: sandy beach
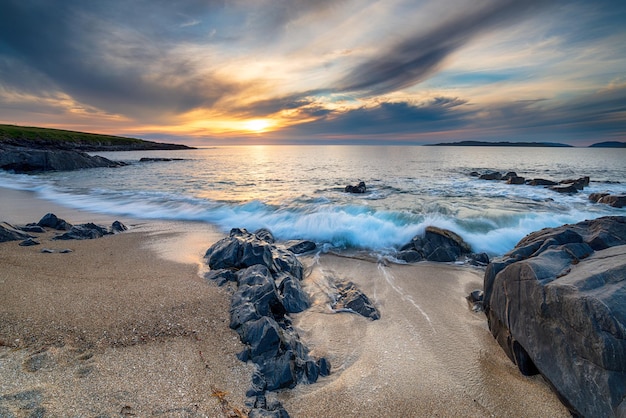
x: 125, y: 325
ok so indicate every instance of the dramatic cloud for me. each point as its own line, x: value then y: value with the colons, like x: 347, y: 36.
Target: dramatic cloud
x: 264, y: 70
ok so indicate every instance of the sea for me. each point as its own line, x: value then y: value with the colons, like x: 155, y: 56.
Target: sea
x: 298, y: 192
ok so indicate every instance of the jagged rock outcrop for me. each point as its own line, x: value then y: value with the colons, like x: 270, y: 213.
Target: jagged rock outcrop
x: 617, y: 201
x: 556, y: 305
x: 268, y: 278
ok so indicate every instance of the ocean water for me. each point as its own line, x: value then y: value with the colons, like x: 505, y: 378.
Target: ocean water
x: 298, y: 191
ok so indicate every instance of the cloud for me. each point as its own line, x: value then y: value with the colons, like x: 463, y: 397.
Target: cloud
x: 419, y: 56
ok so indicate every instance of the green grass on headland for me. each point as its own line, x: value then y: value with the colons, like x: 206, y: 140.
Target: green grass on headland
x: 57, y: 138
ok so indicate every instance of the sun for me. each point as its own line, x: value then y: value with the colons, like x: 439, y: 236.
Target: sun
x: 257, y: 125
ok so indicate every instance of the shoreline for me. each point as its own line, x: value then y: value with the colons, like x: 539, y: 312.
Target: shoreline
x: 125, y: 323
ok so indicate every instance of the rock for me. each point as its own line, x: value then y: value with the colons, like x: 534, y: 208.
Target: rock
x: 349, y: 298
x: 294, y: 299
x: 555, y: 304
x: 268, y: 289
x: 359, y: 188
x: 33, y: 228
x: 480, y: 259
x: 494, y: 175
x: 617, y: 201
x: 579, y: 183
x: 117, y: 226
x: 240, y: 250
x: 221, y: 276
x: 50, y: 220
x: 84, y: 231
x: 27, y: 160
x: 436, y: 245
x: 10, y: 233
x: 542, y: 182
x: 410, y: 256
x: 565, y: 188
x: 509, y: 175
x: 516, y: 180
x: 300, y: 246
x: 475, y: 174
x: 29, y: 242
x: 154, y: 159
x: 265, y: 234
x: 594, y: 197
x: 475, y: 300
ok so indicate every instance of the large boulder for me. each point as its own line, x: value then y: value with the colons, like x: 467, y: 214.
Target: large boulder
x: 436, y: 244
x: 556, y: 304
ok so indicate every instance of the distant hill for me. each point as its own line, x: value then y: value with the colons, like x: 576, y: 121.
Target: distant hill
x: 57, y: 139
x: 609, y: 144
x: 500, y: 144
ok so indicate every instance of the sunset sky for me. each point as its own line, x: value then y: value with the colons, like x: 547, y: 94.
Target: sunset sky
x: 325, y: 71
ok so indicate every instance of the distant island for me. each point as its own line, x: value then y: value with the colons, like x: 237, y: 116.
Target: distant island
x: 500, y: 144
x: 609, y: 144
x: 58, y: 139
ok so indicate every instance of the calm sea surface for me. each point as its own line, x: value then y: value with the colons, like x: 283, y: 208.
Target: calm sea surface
x: 298, y: 191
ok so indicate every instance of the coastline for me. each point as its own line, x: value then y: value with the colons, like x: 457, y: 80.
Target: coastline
x: 125, y: 323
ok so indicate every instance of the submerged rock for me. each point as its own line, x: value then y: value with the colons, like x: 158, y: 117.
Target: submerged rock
x: 359, y: 188
x: 555, y: 304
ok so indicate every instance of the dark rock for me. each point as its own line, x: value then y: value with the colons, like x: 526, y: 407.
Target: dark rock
x: 350, y: 298
x: 491, y: 176
x: 240, y: 250
x: 410, y: 256
x: 516, y: 180
x: 509, y: 175
x: 294, y: 299
x: 10, y: 233
x: 26, y: 160
x: 437, y: 245
x: 65, y: 251
x: 84, y: 231
x: 617, y: 201
x: 268, y: 288
x: 221, y: 276
x: 117, y: 226
x: 556, y: 306
x: 29, y: 242
x: 359, y: 188
x: 475, y: 174
x: 565, y: 188
x: 594, y: 197
x: 154, y: 159
x: 33, y: 228
x: 300, y: 246
x: 542, y: 182
x: 475, y: 300
x: 579, y: 183
x: 265, y: 234
x: 50, y: 220
x: 479, y: 259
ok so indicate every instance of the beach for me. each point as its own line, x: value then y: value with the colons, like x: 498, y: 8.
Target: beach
x: 126, y: 325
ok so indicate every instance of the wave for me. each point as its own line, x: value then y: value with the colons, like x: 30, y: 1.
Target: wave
x: 340, y: 225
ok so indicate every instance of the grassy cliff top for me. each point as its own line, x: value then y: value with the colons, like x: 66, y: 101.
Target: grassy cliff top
x: 27, y: 136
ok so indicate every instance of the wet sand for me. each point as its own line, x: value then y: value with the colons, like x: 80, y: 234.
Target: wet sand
x: 125, y: 325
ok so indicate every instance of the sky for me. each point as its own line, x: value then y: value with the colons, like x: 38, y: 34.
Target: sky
x: 226, y: 72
